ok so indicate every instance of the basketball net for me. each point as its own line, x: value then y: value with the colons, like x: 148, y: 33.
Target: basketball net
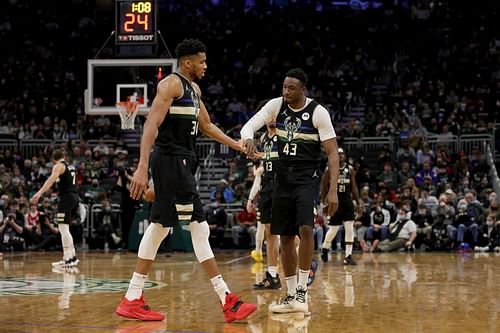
x: 127, y: 111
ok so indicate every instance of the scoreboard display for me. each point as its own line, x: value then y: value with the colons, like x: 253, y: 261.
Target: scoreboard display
x: 136, y: 22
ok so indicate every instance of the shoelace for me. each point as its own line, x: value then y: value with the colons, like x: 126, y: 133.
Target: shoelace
x: 301, y: 296
x: 288, y: 299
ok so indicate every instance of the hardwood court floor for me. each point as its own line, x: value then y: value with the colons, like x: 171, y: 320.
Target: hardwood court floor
x: 398, y: 292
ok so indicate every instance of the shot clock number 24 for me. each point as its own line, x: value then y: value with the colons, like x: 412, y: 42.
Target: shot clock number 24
x: 135, y: 22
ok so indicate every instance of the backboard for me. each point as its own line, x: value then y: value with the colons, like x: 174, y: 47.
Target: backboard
x: 110, y: 81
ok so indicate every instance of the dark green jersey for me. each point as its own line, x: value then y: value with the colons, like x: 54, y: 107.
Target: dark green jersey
x: 270, y: 151
x: 177, y: 133
x: 67, y: 181
x: 344, y: 186
x: 298, y: 140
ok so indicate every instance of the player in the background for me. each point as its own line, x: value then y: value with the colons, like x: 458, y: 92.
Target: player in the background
x: 347, y: 190
x: 263, y: 185
x: 65, y: 175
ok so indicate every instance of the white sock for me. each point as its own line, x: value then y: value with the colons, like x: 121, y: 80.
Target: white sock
x: 136, y: 286
x: 291, y: 284
x: 67, y: 241
x: 330, y: 235
x: 220, y: 288
x: 259, y: 237
x: 303, y: 277
x: 348, y: 250
x: 273, y: 270
x: 349, y: 237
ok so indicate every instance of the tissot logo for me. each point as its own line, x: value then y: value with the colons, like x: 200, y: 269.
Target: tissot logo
x: 81, y: 285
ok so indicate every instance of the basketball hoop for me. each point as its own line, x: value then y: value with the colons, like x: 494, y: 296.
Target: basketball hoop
x: 127, y: 111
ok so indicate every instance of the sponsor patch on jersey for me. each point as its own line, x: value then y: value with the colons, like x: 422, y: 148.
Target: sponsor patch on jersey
x: 305, y: 116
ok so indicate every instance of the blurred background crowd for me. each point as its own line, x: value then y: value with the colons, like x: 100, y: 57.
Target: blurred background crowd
x: 403, y: 70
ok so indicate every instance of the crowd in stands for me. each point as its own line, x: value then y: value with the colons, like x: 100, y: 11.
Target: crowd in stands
x: 429, y: 68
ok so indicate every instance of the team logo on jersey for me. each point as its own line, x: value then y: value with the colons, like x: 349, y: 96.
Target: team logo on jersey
x: 79, y: 285
x: 268, y: 147
x: 196, y: 102
x: 291, y: 126
x: 305, y: 116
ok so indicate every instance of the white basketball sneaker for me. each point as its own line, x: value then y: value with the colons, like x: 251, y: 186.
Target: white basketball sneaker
x: 285, y: 305
x: 301, y: 304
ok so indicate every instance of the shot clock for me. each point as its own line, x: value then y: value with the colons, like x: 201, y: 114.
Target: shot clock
x: 135, y: 22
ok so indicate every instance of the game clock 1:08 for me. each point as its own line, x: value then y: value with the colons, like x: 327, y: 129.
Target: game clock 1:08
x: 135, y: 22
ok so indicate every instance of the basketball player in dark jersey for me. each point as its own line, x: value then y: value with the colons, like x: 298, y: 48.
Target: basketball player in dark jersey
x: 176, y: 115
x: 64, y: 174
x: 303, y: 127
x: 263, y: 185
x: 347, y: 190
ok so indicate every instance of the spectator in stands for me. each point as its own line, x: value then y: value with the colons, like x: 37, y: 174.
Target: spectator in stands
x: 465, y: 223
x: 227, y: 192
x: 388, y: 178
x: 406, y: 196
x: 244, y: 230
x: 446, y: 208
x: 9, y: 237
x: 474, y: 207
x: 385, y: 128
x: 405, y: 172
x: 364, y: 197
x: 425, y: 154
x: 426, y: 171
x: 107, y: 221
x: 429, y: 200
x: 50, y: 237
x: 217, y: 220
x: 489, y: 236
x: 423, y: 220
x: 378, y: 229
x: 405, y: 153
x: 385, y: 155
x: 402, y: 232
x: 363, y: 220
x: 442, y: 235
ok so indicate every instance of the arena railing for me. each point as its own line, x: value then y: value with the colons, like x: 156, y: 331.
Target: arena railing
x: 30, y: 148
x: 481, y: 141
x: 371, y: 142
x: 205, y: 147
x: 9, y: 144
x: 436, y: 141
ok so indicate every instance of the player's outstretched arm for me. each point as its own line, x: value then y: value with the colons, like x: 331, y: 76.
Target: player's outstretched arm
x: 209, y: 129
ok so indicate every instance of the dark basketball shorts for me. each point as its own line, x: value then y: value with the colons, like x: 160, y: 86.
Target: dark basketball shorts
x: 176, y: 196
x: 266, y: 201
x: 66, y: 209
x: 295, y: 196
x: 344, y: 213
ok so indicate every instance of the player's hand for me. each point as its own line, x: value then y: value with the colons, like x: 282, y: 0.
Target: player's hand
x: 238, y: 145
x: 139, y: 183
x: 249, y: 148
x: 35, y: 198
x: 332, y: 202
x: 251, y: 207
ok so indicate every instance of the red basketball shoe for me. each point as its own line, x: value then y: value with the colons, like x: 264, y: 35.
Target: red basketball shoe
x: 138, y: 309
x: 235, y: 309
